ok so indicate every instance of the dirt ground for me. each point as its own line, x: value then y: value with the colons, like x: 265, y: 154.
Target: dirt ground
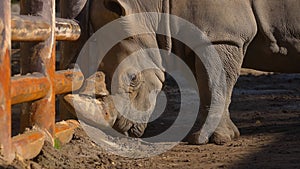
x: 265, y: 108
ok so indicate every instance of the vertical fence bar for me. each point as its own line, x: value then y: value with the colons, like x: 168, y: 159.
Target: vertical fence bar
x: 5, y: 101
x: 40, y: 57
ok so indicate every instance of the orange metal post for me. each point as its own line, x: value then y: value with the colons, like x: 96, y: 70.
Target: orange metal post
x: 68, y: 80
x: 35, y: 28
x: 40, y: 57
x: 29, y: 88
x: 5, y: 102
x: 35, y: 86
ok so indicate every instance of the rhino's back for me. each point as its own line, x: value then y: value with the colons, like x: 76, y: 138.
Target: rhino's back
x: 272, y: 27
x: 276, y: 46
x: 220, y: 20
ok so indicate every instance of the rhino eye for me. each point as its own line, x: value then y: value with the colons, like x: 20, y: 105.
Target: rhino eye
x: 134, y: 80
x: 115, y: 8
x: 133, y: 77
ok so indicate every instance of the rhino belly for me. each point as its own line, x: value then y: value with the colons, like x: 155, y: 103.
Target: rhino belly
x: 276, y: 46
x: 260, y: 56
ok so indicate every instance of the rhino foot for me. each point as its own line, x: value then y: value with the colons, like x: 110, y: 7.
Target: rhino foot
x: 197, y: 139
x: 225, y: 132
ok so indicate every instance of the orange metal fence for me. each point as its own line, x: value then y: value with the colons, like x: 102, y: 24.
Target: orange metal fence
x: 37, y: 29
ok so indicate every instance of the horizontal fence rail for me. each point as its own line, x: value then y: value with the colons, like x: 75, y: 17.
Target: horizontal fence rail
x: 34, y: 28
x: 34, y: 86
x: 37, y: 87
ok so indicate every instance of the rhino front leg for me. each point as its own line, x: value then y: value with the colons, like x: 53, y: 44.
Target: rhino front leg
x: 232, y: 58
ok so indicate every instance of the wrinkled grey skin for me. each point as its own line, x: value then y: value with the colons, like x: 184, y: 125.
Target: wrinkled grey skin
x: 259, y: 34
x: 130, y: 84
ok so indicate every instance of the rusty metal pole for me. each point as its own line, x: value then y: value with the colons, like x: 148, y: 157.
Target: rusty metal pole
x: 5, y: 101
x: 40, y: 57
x: 35, y: 86
x: 34, y: 28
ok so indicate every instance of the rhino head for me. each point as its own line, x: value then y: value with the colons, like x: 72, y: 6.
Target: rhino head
x: 133, y: 82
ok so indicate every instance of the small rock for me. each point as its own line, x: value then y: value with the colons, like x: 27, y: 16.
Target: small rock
x: 258, y: 122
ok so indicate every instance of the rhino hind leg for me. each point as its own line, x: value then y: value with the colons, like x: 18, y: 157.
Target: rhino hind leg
x: 232, y: 57
x: 225, y: 132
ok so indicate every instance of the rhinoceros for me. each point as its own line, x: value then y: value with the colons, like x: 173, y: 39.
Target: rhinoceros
x: 257, y: 34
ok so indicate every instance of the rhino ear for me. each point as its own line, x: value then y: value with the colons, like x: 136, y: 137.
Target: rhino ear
x: 115, y: 6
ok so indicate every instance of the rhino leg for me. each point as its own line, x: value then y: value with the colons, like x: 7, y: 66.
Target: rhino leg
x: 232, y: 58
x: 226, y: 131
